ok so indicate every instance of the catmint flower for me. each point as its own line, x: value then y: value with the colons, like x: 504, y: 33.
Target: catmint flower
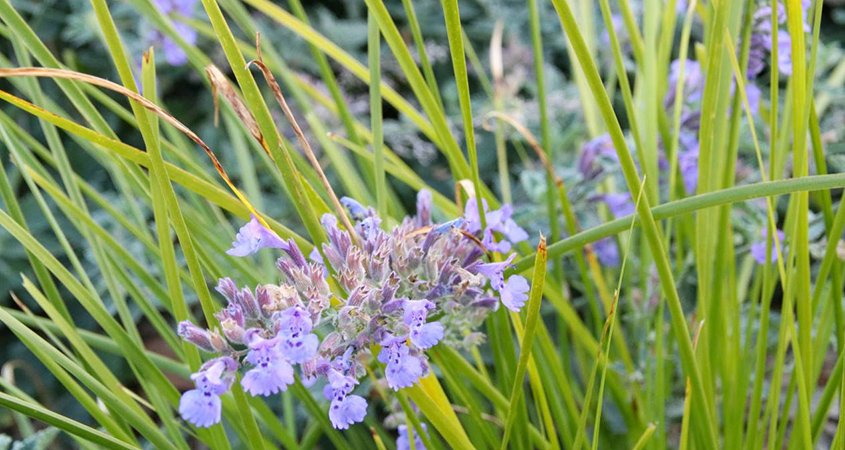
x: 760, y: 45
x: 391, y: 281
x: 403, y: 442
x: 495, y: 272
x: 271, y: 373
x: 253, y: 237
x: 688, y: 165
x: 403, y: 369
x: 345, y: 409
x: 423, y: 335
x: 173, y: 54
x: 515, y: 293
x: 758, y: 248
x: 607, y: 252
x: 201, y: 406
x: 620, y: 205
x: 297, y: 342
x: 693, y: 82
x: 593, y: 153
x: 499, y: 221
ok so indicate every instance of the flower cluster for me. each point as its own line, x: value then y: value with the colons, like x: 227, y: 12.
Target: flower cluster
x: 173, y: 54
x: 760, y: 46
x: 397, y: 294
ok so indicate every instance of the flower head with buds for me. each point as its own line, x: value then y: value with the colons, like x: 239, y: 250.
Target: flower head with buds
x: 398, y: 293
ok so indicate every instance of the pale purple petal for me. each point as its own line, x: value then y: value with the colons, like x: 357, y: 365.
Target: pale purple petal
x: 403, y: 442
x: 620, y: 205
x: 758, y: 249
x: 253, y: 237
x: 347, y: 411
x: 495, y: 272
x: 515, y: 293
x: 403, y: 373
x: 300, y: 350
x: 200, y: 408
x: 607, y: 252
x: 427, y: 335
x: 268, y: 378
x: 416, y: 311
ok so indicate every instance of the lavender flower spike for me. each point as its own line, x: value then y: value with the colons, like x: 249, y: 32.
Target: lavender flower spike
x: 253, y: 237
x: 201, y: 406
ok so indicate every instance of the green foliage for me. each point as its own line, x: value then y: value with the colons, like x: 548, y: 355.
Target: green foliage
x: 114, y: 223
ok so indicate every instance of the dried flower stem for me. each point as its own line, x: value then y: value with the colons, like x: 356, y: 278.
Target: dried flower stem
x: 300, y: 136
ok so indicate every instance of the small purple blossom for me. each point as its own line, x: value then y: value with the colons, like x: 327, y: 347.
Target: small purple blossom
x: 515, y: 292
x: 271, y: 373
x: 202, y: 406
x: 758, y: 248
x: 607, y: 252
x: 297, y: 343
x: 693, y: 82
x: 345, y: 409
x: 403, y: 369
x: 495, y: 272
x: 620, y: 204
x: 423, y: 335
x: 688, y: 165
x: 201, y: 338
x: 173, y: 53
x: 403, y: 442
x: 593, y: 154
x: 497, y: 221
x: 253, y: 237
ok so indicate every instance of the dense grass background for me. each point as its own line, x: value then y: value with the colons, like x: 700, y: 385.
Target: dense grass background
x: 113, y: 223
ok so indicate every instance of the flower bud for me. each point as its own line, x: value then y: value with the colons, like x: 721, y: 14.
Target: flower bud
x: 196, y: 335
x: 233, y: 331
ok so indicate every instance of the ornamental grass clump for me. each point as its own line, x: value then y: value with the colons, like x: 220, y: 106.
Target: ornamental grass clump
x: 677, y: 164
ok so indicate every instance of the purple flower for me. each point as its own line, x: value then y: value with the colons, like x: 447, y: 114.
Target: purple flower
x: 423, y: 335
x: 403, y: 369
x: 297, y: 343
x: 345, y: 409
x: 515, y: 293
x: 620, y: 205
x: 758, y: 249
x: 495, y: 272
x: 607, y: 252
x: 173, y: 54
x: 403, y: 441
x: 271, y: 373
x: 688, y: 165
x: 253, y: 237
x: 202, y: 406
x: 592, y: 152
x: 693, y: 82
x: 202, y: 338
x: 356, y: 210
x: 499, y: 221
x: 423, y: 217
